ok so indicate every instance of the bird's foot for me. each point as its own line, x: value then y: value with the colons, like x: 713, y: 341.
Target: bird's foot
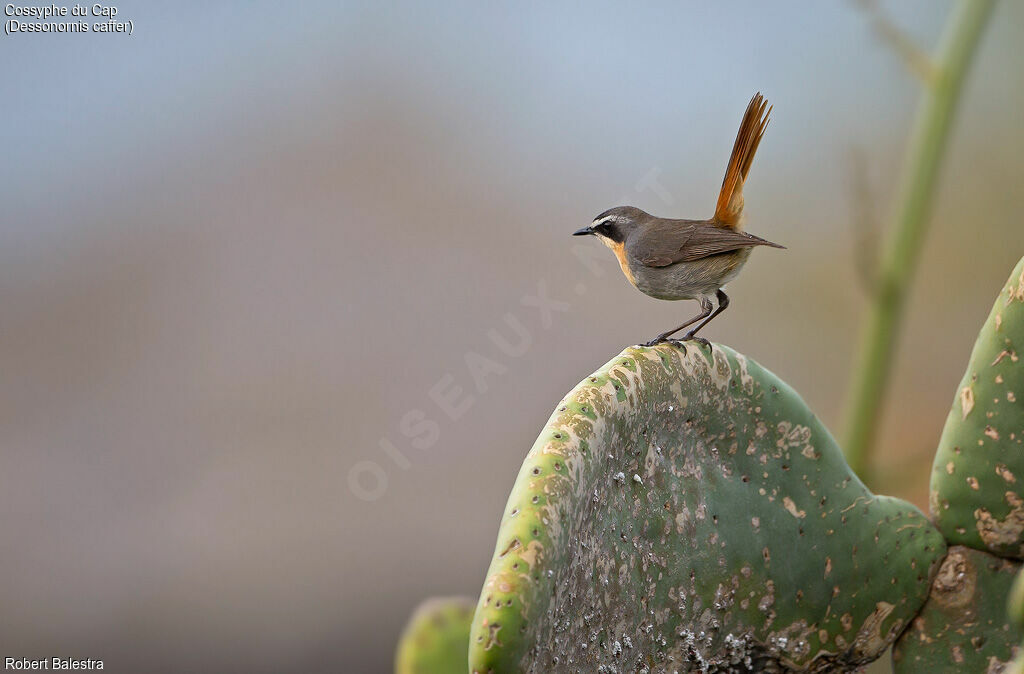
x: 660, y: 339
x: 690, y: 337
x: 665, y: 339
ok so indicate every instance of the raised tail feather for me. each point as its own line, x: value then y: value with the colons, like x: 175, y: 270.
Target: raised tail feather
x: 730, y: 199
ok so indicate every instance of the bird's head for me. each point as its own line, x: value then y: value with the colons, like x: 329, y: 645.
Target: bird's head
x: 614, y: 225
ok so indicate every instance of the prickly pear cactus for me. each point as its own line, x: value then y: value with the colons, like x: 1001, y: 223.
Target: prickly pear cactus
x: 977, y: 485
x: 962, y: 626
x: 1015, y: 602
x: 1016, y: 666
x: 436, y: 639
x: 1015, y: 611
x: 686, y: 512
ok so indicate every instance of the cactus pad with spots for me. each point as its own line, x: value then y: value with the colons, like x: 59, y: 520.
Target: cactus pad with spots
x: 977, y: 485
x: 436, y: 639
x: 963, y: 626
x: 683, y: 510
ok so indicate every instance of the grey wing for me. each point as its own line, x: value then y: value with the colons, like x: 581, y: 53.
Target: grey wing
x: 685, y: 241
x: 658, y: 244
x: 708, y: 241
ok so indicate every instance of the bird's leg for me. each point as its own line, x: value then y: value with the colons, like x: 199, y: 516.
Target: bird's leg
x: 723, y: 302
x: 705, y: 306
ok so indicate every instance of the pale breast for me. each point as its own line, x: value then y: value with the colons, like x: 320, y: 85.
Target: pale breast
x: 688, y: 280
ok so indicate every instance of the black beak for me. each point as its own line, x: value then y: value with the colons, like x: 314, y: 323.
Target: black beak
x: 584, y: 231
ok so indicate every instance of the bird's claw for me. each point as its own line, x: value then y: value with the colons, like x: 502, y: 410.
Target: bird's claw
x: 689, y: 337
x: 678, y: 341
x: 664, y: 339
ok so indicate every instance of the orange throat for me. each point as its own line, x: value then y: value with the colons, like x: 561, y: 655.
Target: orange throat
x: 620, y: 254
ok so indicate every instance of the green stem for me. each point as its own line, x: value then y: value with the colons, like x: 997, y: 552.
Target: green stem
x: 903, y: 245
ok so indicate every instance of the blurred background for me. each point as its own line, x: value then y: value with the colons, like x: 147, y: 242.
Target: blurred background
x: 246, y: 251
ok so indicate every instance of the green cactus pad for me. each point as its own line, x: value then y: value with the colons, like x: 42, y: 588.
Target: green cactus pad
x: 687, y: 512
x: 1015, y: 602
x: 1015, y: 611
x: 977, y: 485
x: 963, y: 626
x: 436, y: 639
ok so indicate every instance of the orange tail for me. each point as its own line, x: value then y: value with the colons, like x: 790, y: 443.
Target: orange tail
x: 730, y: 200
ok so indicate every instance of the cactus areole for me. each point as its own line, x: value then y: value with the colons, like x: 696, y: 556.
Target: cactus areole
x: 962, y: 626
x: 683, y: 510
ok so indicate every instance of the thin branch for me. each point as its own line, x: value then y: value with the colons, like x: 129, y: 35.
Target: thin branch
x: 916, y: 59
x: 873, y: 364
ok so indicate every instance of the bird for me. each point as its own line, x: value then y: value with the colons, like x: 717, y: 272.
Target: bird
x: 678, y: 259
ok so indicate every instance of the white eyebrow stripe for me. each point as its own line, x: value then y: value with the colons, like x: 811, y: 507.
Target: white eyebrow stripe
x: 603, y: 220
